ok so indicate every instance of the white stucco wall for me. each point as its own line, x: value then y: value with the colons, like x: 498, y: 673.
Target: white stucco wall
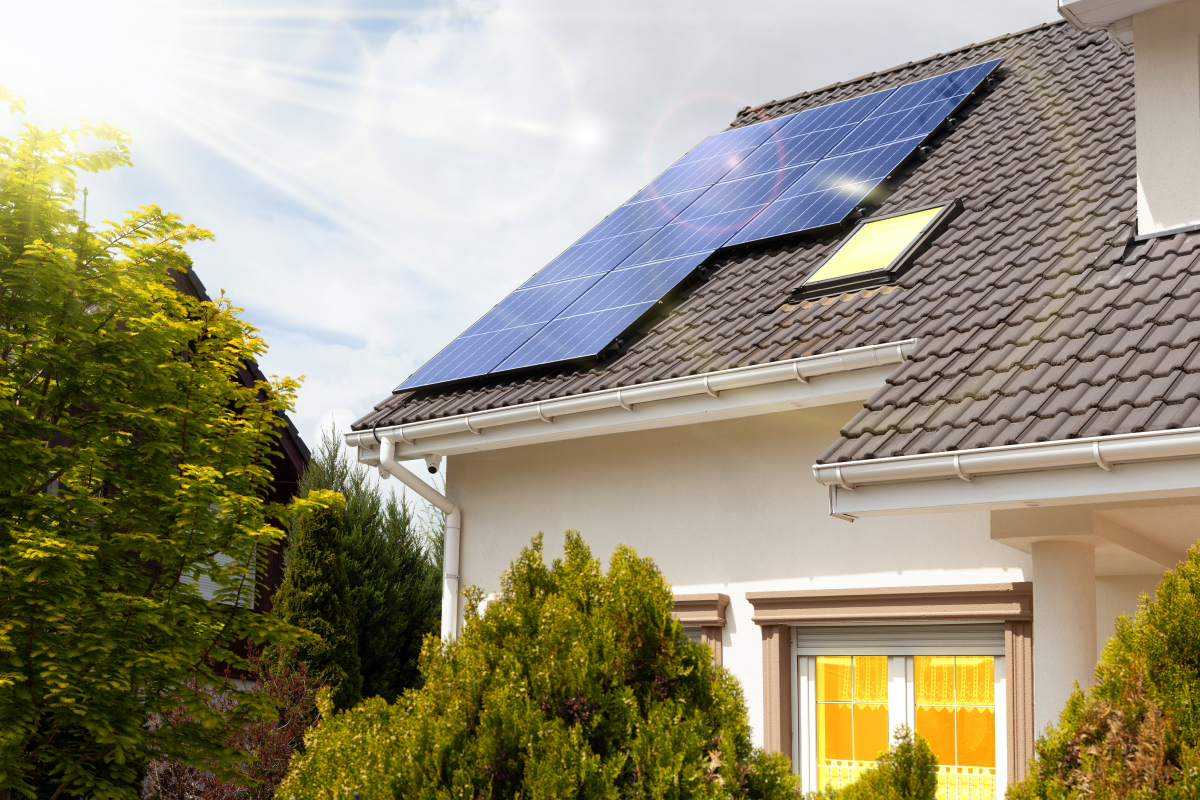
x: 1167, y: 79
x: 725, y: 506
x: 1117, y: 595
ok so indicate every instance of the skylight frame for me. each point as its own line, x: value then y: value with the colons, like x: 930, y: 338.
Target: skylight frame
x: 895, y: 268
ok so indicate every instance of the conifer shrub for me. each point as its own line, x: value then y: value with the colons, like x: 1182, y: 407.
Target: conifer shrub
x: 572, y: 683
x: 1136, y: 732
x: 394, y: 574
x: 315, y: 596
x: 908, y: 771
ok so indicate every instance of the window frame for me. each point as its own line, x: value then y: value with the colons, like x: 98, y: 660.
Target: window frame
x: 901, y: 687
x: 898, y: 265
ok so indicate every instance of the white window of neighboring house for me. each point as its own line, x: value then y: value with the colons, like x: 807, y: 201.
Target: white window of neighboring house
x: 694, y: 633
x: 208, y: 587
x: 855, y: 684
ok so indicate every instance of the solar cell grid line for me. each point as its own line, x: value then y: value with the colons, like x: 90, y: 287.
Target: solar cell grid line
x: 642, y: 215
x: 574, y: 337
x: 777, y: 153
x: 731, y: 195
x: 641, y: 284
x: 916, y: 121
x: 693, y: 174
x: 602, y: 313
x: 958, y: 83
x: 807, y: 211
x: 692, y: 236
x: 875, y: 163
x: 535, y: 304
x: 834, y: 115
x: 589, y: 258
x: 470, y: 356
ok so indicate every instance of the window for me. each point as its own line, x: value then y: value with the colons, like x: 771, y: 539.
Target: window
x: 856, y: 684
x: 877, y: 251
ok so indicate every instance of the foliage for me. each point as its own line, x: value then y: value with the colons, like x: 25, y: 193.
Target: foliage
x: 572, y: 683
x: 315, y: 595
x: 1136, y: 732
x: 906, y: 772
x: 269, y: 743
x: 133, y: 454
x: 395, y: 584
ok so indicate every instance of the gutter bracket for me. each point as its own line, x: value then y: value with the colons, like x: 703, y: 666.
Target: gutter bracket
x: 796, y: 369
x: 837, y: 473
x: 621, y: 400
x: 403, y: 438
x: 1100, y: 462
x: 708, y: 388
x: 958, y: 470
x: 542, y: 416
x: 467, y: 422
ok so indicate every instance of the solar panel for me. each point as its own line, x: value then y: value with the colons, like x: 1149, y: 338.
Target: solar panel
x: 795, y: 173
x: 601, y: 314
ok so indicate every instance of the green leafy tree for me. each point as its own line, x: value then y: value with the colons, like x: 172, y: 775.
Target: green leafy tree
x: 908, y: 771
x: 135, y: 458
x: 315, y: 595
x: 1136, y: 732
x: 573, y: 683
x: 395, y: 581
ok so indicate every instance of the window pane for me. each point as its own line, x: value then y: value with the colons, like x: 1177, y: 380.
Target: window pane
x: 934, y: 680
x: 835, y: 732
x: 936, y: 724
x: 870, y: 731
x: 976, y: 680
x: 870, y: 679
x: 976, y: 737
x: 833, y: 679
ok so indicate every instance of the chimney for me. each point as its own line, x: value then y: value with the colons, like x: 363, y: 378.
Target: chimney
x: 1166, y: 40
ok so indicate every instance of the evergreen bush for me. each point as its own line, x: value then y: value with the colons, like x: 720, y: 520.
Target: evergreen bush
x: 1135, y: 733
x: 395, y: 583
x: 572, y: 683
x: 315, y: 595
x: 906, y: 772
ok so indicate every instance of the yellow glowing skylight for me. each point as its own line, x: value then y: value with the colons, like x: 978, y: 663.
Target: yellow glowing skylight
x: 874, y: 250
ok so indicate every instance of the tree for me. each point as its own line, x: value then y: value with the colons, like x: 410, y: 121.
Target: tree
x: 1136, y: 731
x: 135, y: 458
x: 315, y: 596
x: 572, y: 683
x: 395, y: 583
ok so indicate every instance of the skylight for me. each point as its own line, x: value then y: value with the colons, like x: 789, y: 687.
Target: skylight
x: 877, y: 251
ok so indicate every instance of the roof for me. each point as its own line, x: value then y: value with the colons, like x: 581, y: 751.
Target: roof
x: 1038, y: 318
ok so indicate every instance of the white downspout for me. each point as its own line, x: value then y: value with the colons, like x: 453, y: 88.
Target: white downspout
x: 388, y: 466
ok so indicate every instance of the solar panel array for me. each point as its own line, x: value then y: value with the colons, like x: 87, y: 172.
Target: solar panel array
x: 790, y: 174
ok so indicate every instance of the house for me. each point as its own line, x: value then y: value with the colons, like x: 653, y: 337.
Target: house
x: 919, y: 490
x: 288, y: 465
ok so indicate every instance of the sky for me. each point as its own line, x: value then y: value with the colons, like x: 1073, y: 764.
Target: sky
x: 379, y: 174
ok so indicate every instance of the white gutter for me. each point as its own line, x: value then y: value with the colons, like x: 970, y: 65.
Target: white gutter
x: 1101, y: 452
x: 388, y: 466
x: 712, y: 383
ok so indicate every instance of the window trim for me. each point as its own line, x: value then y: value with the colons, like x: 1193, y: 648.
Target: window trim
x: 895, y: 268
x: 707, y: 611
x: 776, y: 613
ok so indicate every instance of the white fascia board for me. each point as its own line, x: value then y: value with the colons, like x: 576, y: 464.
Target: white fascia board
x: 1108, y: 469
x: 839, y: 377
x: 1101, y: 13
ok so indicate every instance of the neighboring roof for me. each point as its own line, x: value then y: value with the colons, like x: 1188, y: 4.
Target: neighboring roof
x: 1037, y: 320
x: 295, y: 451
